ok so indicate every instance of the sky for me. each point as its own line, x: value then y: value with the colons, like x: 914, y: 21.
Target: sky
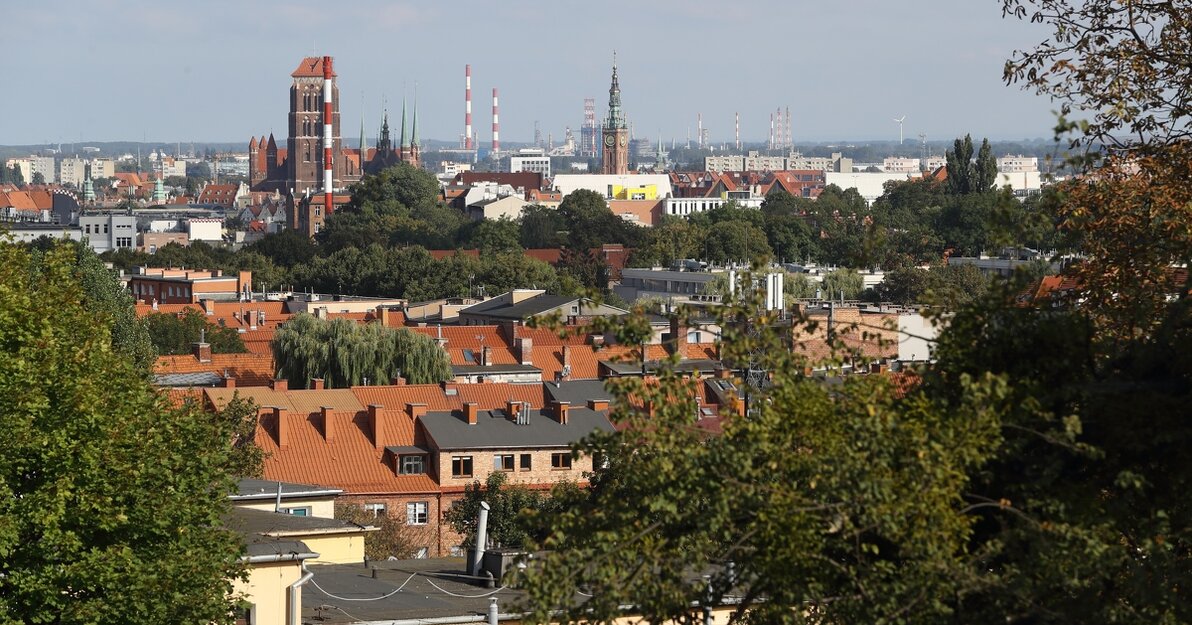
x: 219, y: 70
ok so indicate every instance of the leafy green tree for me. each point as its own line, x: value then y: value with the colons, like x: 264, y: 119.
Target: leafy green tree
x: 286, y: 248
x: 541, y: 227
x: 585, y: 267
x: 846, y: 283
x: 513, y: 508
x: 829, y: 504
x: 402, y: 185
x: 110, y: 501
x: 393, y: 538
x: 967, y: 176
x: 736, y: 241
x: 590, y: 223
x: 104, y: 295
x: 491, y: 236
x: 344, y: 353
x: 38, y: 178
x: 240, y: 418
x: 173, y: 334
x: 673, y: 239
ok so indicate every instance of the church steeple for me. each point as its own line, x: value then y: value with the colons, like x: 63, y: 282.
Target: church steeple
x: 616, y: 118
x: 384, y: 145
x: 405, y: 132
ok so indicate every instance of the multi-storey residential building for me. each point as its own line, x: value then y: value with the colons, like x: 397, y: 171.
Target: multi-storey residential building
x: 109, y: 231
x: 1017, y: 164
x: 900, y: 165
x: 186, y: 286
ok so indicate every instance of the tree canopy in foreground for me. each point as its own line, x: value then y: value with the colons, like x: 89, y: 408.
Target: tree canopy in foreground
x: 110, y: 501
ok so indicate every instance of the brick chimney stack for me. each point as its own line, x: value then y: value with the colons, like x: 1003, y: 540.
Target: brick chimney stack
x: 562, y: 408
x: 525, y: 350
x: 201, y: 351
x: 328, y: 415
x: 376, y: 419
x: 471, y: 412
x: 678, y: 337
x: 316, y: 384
x: 283, y: 428
x: 280, y: 384
x: 486, y: 356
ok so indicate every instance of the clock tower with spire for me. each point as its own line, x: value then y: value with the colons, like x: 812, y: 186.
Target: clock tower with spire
x: 615, y: 134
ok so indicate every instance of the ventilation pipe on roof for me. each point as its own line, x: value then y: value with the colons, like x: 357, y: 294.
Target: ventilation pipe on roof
x: 481, y: 539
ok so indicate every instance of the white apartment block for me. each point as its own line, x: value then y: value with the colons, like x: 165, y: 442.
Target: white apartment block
x: 1015, y: 164
x: 30, y: 165
x: 108, y: 231
x: 933, y: 163
x: 72, y: 171
x: 684, y: 206
x: 531, y: 160
x: 900, y: 165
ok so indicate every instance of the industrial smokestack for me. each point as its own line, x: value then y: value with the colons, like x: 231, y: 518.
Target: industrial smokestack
x: 467, y: 107
x: 496, y: 124
x: 778, y: 120
x: 327, y: 132
x: 699, y: 130
x: 771, y: 131
x: 737, y: 129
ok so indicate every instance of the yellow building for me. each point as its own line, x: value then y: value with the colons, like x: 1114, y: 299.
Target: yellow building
x: 638, y: 192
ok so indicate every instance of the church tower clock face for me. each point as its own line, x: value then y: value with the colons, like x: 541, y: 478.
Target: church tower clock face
x: 609, y: 140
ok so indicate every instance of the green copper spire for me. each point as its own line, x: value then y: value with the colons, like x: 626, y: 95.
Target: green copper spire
x: 616, y: 119
x: 362, y: 147
x: 405, y: 130
x: 414, y: 122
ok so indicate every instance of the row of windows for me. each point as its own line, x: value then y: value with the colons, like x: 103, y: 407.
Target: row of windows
x: 461, y: 466
x: 150, y: 289
x: 417, y: 512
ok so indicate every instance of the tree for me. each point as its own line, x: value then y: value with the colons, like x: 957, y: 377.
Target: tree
x: 967, y: 176
x: 104, y: 295
x: 286, y: 248
x: 344, y: 353
x: 829, y: 504
x: 541, y: 227
x: 491, y: 236
x: 843, y: 283
x: 408, y: 186
x: 240, y: 417
x: 393, y: 538
x: 513, y: 509
x: 110, y: 500
x: 38, y: 178
x: 1124, y: 63
x: 174, y: 334
x: 736, y: 241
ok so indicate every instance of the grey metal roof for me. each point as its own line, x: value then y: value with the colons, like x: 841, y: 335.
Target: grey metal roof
x: 684, y: 366
x: 536, y: 305
x: 578, y: 392
x: 264, y: 546
x: 251, y: 522
x: 495, y: 430
x: 399, y: 450
x: 493, y: 369
x: 202, y: 378
x: 248, y: 488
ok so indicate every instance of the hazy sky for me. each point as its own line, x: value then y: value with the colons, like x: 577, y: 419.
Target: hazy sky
x: 218, y: 70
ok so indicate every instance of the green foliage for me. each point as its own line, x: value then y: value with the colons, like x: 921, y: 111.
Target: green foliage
x: 393, y: 539
x: 590, y: 223
x: 102, y: 294
x: 541, y: 227
x: 110, y: 501
x: 514, y: 510
x: 949, y: 286
x: 491, y: 236
x: 173, y: 334
x: 344, y: 353
x: 842, y: 283
x: 966, y: 175
x: 239, y: 417
x: 836, y: 503
x: 286, y: 248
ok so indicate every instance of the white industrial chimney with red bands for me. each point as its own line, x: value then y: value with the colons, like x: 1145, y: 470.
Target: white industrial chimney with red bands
x: 467, y: 107
x: 496, y: 124
x: 328, y: 175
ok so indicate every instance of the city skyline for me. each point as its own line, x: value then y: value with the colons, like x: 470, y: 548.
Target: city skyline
x: 142, y: 71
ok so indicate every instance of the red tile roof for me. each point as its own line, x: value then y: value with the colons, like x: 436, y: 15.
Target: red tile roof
x: 311, y: 67
x: 248, y: 369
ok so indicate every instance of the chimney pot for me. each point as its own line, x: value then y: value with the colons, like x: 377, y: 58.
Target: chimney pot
x: 471, y: 412
x: 229, y: 381
x: 486, y: 356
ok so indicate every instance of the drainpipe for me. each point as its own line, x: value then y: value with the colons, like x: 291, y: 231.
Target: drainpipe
x: 481, y: 538
x: 295, y: 601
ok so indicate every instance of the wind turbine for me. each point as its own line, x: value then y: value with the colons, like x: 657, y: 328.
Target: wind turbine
x: 899, y: 122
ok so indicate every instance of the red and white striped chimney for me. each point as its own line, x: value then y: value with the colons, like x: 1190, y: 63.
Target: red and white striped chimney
x: 328, y: 176
x: 467, y: 107
x: 771, y: 131
x: 737, y: 129
x: 496, y: 124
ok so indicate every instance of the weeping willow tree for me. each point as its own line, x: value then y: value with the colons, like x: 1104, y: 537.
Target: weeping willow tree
x: 344, y: 353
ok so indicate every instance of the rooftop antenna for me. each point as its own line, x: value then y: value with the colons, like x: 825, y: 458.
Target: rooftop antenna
x: 899, y: 121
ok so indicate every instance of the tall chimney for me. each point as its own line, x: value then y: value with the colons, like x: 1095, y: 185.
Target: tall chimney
x: 471, y: 412
x: 525, y: 350
x: 496, y: 125
x: 377, y: 422
x: 283, y: 428
x: 468, y: 107
x: 771, y: 144
x: 737, y: 129
x: 201, y: 351
x: 328, y: 175
x: 678, y: 337
x: 486, y: 356
x: 566, y: 355
x: 328, y: 414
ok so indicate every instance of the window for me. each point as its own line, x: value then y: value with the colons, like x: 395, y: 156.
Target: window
x: 412, y: 465
x: 461, y: 466
x: 105, y: 228
x: 377, y: 510
x: 503, y: 462
x: 525, y: 462
x: 416, y: 513
x: 303, y: 511
x: 560, y: 460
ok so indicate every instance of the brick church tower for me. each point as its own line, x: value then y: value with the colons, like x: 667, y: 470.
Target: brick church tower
x: 304, y: 162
